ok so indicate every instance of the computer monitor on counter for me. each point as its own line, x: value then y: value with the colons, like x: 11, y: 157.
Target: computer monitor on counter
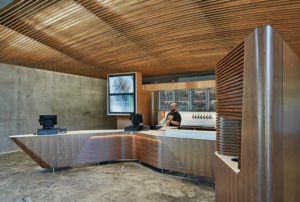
x: 136, y: 122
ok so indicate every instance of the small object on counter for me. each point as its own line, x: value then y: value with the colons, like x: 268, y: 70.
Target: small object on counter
x: 136, y: 123
x: 162, y: 122
x: 48, y: 122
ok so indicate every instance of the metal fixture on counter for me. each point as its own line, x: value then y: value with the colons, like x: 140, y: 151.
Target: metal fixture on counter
x: 202, y: 116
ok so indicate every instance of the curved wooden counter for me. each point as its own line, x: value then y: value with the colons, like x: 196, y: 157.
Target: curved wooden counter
x: 185, y: 155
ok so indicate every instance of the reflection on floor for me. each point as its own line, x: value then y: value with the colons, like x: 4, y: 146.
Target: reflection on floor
x: 21, y: 179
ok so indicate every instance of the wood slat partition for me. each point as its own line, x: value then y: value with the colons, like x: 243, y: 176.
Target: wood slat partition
x: 229, y: 92
x: 270, y: 133
x: 94, y: 38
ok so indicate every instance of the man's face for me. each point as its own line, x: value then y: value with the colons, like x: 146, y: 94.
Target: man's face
x: 173, y: 107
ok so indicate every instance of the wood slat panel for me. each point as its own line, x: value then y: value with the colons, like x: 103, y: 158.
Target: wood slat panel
x: 229, y: 92
x: 94, y: 38
x: 269, y: 132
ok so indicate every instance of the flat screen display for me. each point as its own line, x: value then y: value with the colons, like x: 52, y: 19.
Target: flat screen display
x: 121, y: 103
x: 121, y: 84
x: 121, y: 94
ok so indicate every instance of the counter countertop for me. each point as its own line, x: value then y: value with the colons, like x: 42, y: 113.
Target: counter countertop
x: 171, y: 132
x: 228, y: 160
x: 76, y: 132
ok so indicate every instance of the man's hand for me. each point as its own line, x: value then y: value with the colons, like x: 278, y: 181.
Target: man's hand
x: 168, y: 122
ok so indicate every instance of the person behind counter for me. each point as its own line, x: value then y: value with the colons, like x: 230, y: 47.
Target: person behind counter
x: 173, y: 117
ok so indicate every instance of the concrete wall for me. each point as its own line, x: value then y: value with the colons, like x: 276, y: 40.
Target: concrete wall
x: 25, y: 93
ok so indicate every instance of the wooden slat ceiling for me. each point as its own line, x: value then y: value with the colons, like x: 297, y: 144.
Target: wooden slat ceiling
x: 93, y: 38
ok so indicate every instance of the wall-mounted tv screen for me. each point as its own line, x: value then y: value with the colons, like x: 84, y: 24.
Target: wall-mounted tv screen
x: 121, y: 84
x: 121, y: 103
x: 121, y: 94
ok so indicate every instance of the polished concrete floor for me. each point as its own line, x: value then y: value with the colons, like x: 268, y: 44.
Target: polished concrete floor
x: 21, y: 179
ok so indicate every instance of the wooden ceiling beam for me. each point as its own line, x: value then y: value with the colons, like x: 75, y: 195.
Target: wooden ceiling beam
x: 124, y: 28
x: 15, y: 22
x: 153, y: 37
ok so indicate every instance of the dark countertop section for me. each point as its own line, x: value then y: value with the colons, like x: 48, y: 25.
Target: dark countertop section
x: 186, y: 127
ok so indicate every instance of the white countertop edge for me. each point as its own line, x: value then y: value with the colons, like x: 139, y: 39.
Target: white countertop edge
x: 181, y: 133
x: 189, y: 137
x: 227, y: 159
x: 75, y: 132
x: 191, y: 134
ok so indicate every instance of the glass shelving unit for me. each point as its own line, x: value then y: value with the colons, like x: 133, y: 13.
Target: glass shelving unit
x: 182, y: 100
x: 198, y: 100
x: 212, y: 99
x: 165, y: 99
x: 188, y: 100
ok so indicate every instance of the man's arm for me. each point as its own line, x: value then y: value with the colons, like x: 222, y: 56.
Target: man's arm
x: 175, y: 122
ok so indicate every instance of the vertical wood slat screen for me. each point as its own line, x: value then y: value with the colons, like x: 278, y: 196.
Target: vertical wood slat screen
x: 229, y: 91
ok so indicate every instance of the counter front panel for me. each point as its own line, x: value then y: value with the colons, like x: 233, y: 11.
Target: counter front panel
x: 181, y: 152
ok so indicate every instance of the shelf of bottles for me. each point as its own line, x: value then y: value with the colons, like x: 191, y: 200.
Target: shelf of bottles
x: 212, y: 99
x: 199, y: 100
x: 166, y: 98
x: 188, y: 100
x: 182, y: 100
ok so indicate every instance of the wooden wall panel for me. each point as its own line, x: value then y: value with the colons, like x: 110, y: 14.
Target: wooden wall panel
x: 226, y: 183
x: 148, y: 89
x: 291, y: 126
x: 229, y: 93
x: 123, y: 121
x: 263, y: 117
x: 249, y: 125
x: 180, y: 85
x: 269, y: 129
x: 276, y: 129
x: 139, y: 92
x: 146, y: 102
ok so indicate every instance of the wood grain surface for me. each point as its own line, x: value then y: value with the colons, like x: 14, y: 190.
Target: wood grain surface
x: 180, y: 85
x: 269, y: 130
x: 291, y: 136
x: 94, y: 38
x: 191, y: 156
x: 229, y: 93
x: 226, y: 183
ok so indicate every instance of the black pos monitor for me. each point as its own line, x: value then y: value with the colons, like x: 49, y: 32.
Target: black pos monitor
x: 136, y: 122
x: 48, y: 122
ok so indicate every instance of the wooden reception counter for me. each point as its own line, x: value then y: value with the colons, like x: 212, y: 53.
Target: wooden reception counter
x: 190, y: 152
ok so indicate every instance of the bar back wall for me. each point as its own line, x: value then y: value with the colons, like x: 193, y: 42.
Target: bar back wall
x: 25, y: 93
